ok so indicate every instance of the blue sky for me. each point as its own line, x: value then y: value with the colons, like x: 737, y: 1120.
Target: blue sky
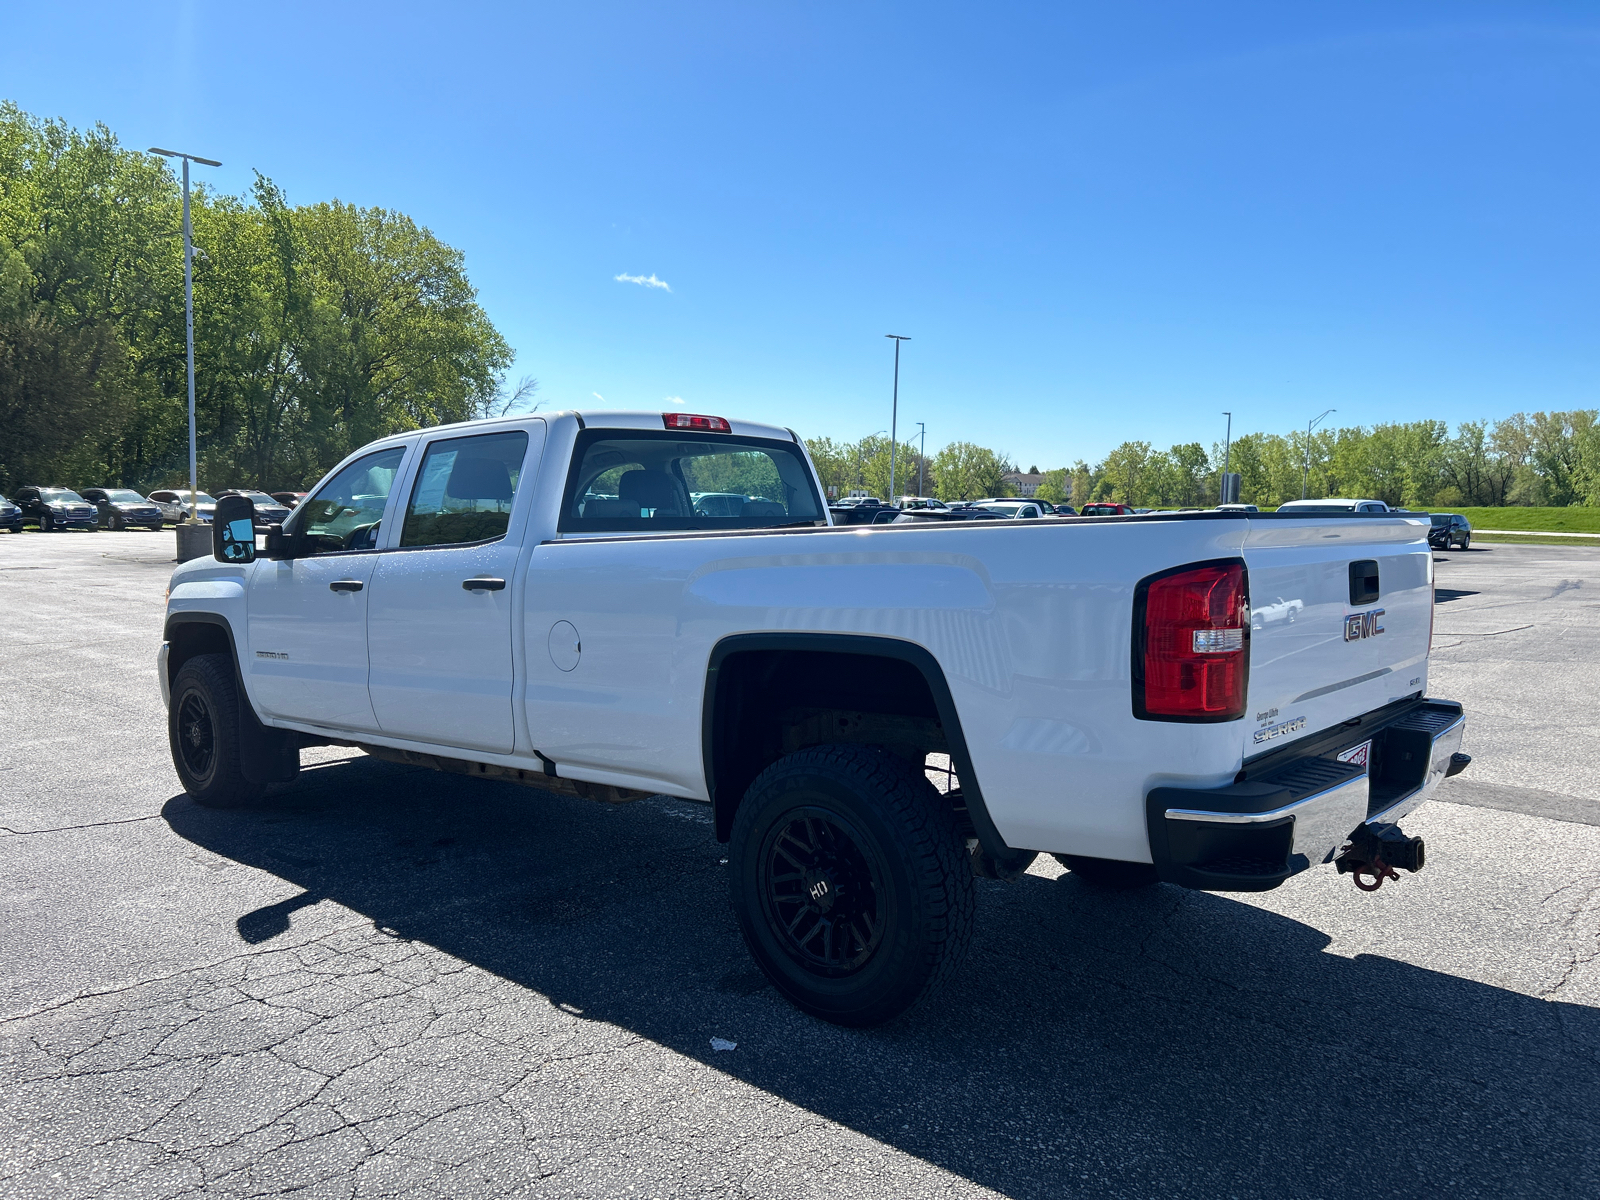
x: 1097, y: 222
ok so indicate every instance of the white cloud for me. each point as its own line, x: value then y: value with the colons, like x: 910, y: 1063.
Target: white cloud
x: 649, y: 281
x: 598, y: 397
x: 672, y: 399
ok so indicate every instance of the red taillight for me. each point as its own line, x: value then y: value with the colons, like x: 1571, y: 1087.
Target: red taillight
x: 691, y: 421
x: 1191, y: 648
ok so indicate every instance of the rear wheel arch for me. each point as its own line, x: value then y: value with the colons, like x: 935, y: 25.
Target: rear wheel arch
x: 740, y: 732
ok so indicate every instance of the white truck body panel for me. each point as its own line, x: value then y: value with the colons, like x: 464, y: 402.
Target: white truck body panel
x: 1031, y: 623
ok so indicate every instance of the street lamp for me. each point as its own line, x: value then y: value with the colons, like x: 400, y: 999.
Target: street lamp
x: 1227, y: 448
x: 894, y: 414
x: 922, y: 456
x: 188, y: 311
x: 1305, y: 476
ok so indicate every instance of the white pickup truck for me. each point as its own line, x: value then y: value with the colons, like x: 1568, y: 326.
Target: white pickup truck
x: 874, y: 713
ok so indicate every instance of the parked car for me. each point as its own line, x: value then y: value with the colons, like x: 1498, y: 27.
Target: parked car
x: 1228, y: 508
x: 1063, y: 510
x: 289, y: 499
x: 795, y: 677
x: 123, y: 508
x: 1105, y: 508
x: 1449, y: 529
x: 10, y: 516
x: 268, y: 510
x: 1015, y: 510
x: 52, y: 508
x: 174, y: 505
x: 926, y: 516
x: 867, y: 511
x: 914, y: 503
x: 1335, y: 505
x: 718, y: 504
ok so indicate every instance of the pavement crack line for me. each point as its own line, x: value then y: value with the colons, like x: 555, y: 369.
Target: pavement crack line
x: 71, y: 828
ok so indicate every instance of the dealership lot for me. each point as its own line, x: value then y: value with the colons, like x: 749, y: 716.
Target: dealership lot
x: 387, y: 981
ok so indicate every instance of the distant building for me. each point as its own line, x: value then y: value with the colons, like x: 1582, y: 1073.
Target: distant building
x: 1025, y: 483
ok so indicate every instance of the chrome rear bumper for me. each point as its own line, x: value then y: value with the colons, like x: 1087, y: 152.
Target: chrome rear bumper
x: 1254, y: 834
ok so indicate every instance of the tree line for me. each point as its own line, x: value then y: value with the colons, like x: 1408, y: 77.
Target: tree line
x: 1541, y: 458
x: 317, y: 327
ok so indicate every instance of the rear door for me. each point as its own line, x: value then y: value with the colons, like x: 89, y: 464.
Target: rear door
x: 439, y: 621
x: 1341, y: 616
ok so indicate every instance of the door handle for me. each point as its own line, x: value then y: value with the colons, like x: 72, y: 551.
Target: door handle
x: 345, y: 585
x: 484, y: 585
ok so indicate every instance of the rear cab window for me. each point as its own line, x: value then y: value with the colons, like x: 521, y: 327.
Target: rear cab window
x: 648, y: 481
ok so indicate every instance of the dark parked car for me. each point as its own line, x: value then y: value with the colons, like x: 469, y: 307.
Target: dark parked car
x: 869, y: 512
x: 268, y: 510
x: 289, y: 499
x: 1105, y: 508
x: 123, y: 508
x: 10, y: 516
x: 52, y: 508
x: 1449, y: 529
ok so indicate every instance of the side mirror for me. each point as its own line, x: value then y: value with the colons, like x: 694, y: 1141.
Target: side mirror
x: 233, y: 530
x: 277, y: 545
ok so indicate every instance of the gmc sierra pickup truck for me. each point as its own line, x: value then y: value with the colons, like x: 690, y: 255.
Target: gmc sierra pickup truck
x: 616, y: 605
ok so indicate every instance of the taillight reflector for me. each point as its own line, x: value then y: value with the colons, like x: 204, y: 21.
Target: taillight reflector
x: 694, y: 421
x: 1191, y: 644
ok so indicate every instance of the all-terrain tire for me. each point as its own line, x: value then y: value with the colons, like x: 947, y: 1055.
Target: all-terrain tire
x: 203, y: 731
x: 1108, y: 872
x: 850, y: 881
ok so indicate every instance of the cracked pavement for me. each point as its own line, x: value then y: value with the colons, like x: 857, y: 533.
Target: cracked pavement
x: 389, y: 982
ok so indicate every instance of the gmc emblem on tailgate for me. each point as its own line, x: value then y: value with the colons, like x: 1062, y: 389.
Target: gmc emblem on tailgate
x: 1363, y: 625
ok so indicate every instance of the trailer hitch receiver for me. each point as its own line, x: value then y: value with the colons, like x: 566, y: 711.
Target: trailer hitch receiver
x: 1375, y: 851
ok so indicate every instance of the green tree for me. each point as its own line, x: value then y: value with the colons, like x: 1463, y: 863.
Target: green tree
x: 317, y: 328
x: 966, y: 471
x: 1055, y: 487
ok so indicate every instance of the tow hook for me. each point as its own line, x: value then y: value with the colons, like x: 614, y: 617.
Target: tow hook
x: 1374, y: 853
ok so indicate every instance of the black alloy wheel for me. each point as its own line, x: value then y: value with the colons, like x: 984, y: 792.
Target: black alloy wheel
x: 850, y: 880
x: 203, y: 732
x: 197, y: 736
x: 118, y: 521
x: 824, y: 890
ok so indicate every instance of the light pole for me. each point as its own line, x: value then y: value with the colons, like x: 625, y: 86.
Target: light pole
x: 922, y: 456
x: 894, y: 414
x: 1305, y: 476
x: 188, y: 311
x: 1227, y: 449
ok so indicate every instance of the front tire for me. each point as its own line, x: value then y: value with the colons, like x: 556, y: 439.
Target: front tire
x: 203, y: 731
x: 850, y: 882
x: 46, y: 523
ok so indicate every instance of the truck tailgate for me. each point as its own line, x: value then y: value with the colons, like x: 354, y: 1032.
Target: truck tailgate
x: 1323, y: 648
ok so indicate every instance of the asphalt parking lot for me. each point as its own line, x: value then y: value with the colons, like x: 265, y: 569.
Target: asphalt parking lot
x: 389, y: 982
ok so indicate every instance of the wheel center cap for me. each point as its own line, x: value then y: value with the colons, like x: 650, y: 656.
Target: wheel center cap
x: 822, y: 889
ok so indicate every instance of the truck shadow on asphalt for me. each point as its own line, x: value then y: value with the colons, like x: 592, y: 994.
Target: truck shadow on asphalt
x: 1158, y: 1042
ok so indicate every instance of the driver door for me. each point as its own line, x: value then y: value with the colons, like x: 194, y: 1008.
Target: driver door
x: 307, y: 614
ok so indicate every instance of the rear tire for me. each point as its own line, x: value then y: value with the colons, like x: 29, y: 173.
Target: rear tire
x: 203, y: 731
x: 1109, y: 872
x: 850, y: 882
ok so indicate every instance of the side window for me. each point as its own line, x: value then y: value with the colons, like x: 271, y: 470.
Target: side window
x: 464, y: 490
x: 346, y: 511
